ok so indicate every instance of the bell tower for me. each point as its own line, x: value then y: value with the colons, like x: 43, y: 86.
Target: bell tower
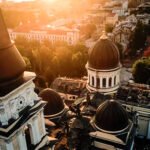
x: 22, y: 124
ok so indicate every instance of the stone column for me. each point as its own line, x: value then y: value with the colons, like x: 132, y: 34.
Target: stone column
x: 107, y: 82
x: 36, y: 127
x: 112, y: 83
x: 43, y: 123
x: 101, y: 84
x: 22, y: 140
x: 15, y: 142
x: 9, y: 145
x: 2, y: 145
x: 32, y: 133
x: 95, y: 81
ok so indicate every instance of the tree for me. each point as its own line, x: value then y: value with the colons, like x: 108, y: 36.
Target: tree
x: 138, y: 38
x: 49, y: 60
x: 80, y: 55
x: 141, y: 70
x: 62, y: 59
x: 88, y: 29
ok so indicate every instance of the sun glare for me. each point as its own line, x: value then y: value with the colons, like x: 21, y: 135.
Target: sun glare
x: 50, y: 1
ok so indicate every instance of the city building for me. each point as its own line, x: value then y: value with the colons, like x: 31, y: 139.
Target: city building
x: 71, y: 36
x: 135, y: 98
x: 69, y: 89
x: 118, y: 7
x: 123, y: 29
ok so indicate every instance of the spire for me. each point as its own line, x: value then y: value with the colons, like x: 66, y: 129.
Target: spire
x: 104, y: 36
x: 12, y: 64
x: 4, y: 36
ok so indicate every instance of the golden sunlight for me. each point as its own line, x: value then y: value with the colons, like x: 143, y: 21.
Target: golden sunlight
x: 49, y: 0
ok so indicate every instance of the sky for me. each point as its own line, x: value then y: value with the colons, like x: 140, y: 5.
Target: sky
x: 26, y: 0
x: 19, y: 0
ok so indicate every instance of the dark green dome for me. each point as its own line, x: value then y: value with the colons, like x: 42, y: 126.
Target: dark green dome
x: 111, y: 116
x: 104, y: 55
x: 54, y: 102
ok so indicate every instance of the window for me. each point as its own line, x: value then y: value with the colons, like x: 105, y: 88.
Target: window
x: 115, y: 80
x: 93, y: 81
x: 104, y: 82
x: 98, y: 82
x: 110, y: 82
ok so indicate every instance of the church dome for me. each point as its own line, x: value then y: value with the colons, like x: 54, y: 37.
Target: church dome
x: 104, y: 55
x: 55, y: 104
x: 111, y: 117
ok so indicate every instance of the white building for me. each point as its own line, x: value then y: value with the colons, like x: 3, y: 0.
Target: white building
x: 123, y: 30
x: 135, y: 98
x: 118, y: 7
x: 71, y: 36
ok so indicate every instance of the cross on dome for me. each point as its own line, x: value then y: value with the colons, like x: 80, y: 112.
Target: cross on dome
x: 104, y: 36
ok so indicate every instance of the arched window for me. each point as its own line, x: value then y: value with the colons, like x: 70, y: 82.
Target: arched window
x: 98, y: 82
x: 115, y: 80
x: 104, y: 82
x: 92, y: 81
x: 110, y: 82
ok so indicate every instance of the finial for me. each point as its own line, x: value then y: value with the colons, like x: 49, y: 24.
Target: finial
x: 104, y: 36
